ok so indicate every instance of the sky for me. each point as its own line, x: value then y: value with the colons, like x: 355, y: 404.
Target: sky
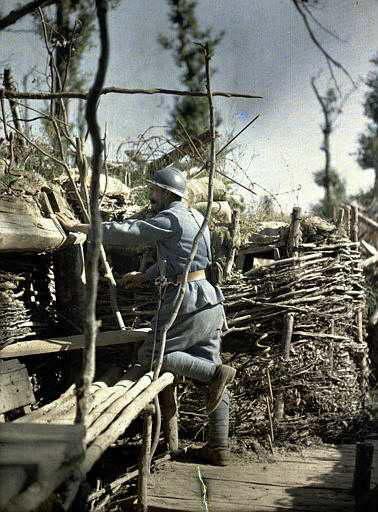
x: 266, y: 50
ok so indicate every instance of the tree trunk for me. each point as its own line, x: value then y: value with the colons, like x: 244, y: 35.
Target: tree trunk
x: 327, y: 168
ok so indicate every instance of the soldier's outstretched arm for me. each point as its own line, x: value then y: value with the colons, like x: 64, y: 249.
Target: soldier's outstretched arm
x: 137, y: 231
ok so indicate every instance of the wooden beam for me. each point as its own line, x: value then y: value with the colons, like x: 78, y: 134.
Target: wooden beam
x: 367, y: 220
x: 33, y: 347
x: 370, y: 248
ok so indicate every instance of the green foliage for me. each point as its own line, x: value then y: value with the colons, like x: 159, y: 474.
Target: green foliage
x: 193, y: 112
x: 368, y: 150
x: 336, y: 188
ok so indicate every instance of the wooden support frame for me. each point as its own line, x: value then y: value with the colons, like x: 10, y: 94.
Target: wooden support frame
x: 61, y: 344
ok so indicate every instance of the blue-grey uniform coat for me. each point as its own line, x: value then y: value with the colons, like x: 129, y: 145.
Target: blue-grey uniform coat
x: 197, y: 328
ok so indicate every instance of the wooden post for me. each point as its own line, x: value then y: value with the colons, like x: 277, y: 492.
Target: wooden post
x: 144, y: 464
x: 360, y: 325
x: 234, y: 234
x: 331, y: 346
x: 354, y: 221
x: 362, y: 469
x: 287, y: 335
x: 348, y: 221
x: 295, y: 234
x: 340, y: 217
x: 334, y: 214
x: 168, y: 404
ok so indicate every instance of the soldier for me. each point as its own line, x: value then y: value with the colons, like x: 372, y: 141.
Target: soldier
x: 193, y: 342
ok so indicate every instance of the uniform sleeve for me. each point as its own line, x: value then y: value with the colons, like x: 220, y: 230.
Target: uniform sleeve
x: 152, y: 272
x: 145, y: 232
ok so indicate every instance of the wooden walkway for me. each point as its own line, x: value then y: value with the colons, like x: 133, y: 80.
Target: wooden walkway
x: 316, y: 480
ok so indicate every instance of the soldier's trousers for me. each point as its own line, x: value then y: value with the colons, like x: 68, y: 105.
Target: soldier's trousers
x: 193, y: 351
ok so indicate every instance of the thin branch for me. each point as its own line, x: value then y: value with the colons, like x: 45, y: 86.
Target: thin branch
x: 121, y: 90
x: 320, y: 25
x: 222, y: 149
x: 19, y: 13
x: 329, y: 59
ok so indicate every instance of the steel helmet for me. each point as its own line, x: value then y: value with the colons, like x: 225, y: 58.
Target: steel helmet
x: 170, y: 179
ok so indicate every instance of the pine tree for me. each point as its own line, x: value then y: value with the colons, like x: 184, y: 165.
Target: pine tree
x: 336, y: 191
x: 192, y: 112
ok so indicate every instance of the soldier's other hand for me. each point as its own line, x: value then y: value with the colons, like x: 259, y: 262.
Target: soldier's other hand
x: 132, y: 280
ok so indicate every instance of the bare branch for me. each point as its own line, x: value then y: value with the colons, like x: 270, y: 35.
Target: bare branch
x: 94, y: 245
x: 19, y: 13
x: 329, y: 59
x: 320, y: 25
x: 121, y: 90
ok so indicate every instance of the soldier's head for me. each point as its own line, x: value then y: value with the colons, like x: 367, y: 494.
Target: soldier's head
x: 167, y: 185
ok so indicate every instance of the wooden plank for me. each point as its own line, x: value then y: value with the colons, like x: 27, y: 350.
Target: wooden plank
x: 268, y: 249
x: 176, y: 487
x: 15, y: 389
x: 33, y: 347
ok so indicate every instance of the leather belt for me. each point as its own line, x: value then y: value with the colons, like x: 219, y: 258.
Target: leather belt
x: 198, y: 275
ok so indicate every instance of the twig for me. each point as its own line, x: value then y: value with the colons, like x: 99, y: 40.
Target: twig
x: 330, y: 60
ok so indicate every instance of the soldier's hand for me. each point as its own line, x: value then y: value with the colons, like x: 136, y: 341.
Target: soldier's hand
x: 132, y: 280
x: 67, y: 223
x: 72, y: 226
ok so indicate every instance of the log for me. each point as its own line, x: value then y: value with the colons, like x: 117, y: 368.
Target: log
x: 370, y: 261
x: 123, y: 400
x: 23, y: 228
x: 76, y: 342
x: 293, y: 259
x: 367, y: 220
x: 39, y: 491
x: 370, y: 248
x: 63, y: 409
x: 118, y: 426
